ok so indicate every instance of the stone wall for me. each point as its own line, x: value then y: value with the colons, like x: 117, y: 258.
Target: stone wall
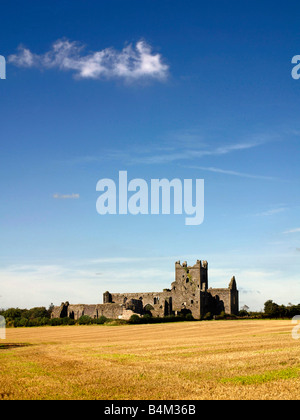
x: 109, y: 310
x: 154, y: 302
x: 227, y: 298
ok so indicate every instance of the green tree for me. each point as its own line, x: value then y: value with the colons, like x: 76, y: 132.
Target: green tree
x: 12, y: 313
x: 271, y: 309
x: 38, y: 312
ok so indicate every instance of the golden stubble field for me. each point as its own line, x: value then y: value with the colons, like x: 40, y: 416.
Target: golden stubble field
x: 251, y: 359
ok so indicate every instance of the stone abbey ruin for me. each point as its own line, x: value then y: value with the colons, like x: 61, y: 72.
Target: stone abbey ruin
x: 189, y: 293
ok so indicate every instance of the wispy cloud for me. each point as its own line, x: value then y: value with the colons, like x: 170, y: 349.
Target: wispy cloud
x: 292, y: 230
x: 230, y: 172
x: 189, y: 151
x: 273, y: 211
x: 66, y: 196
x: 182, y: 146
x: 131, y: 63
x: 178, y: 147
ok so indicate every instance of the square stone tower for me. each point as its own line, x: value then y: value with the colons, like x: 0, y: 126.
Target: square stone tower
x: 189, y: 287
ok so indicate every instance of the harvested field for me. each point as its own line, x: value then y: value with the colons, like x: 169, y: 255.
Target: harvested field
x: 243, y: 359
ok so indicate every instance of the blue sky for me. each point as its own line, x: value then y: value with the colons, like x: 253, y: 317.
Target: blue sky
x: 162, y: 89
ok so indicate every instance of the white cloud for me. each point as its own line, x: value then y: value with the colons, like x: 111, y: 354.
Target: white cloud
x: 292, y: 230
x: 257, y: 285
x: 85, y: 280
x: 82, y: 281
x: 131, y: 63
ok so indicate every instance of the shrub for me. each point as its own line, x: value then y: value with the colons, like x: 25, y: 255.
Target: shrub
x: 135, y: 319
x: 34, y: 322
x: 222, y: 315
x: 55, y: 321
x: 173, y: 318
x: 67, y: 321
x: 189, y: 317
x: 101, y: 320
x: 84, y: 320
x: 147, y: 318
x: 44, y: 321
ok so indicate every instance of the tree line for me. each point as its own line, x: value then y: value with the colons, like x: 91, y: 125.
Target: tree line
x: 40, y: 316
x: 273, y: 310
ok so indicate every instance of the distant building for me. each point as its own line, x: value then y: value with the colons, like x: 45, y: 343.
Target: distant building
x: 189, y: 293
